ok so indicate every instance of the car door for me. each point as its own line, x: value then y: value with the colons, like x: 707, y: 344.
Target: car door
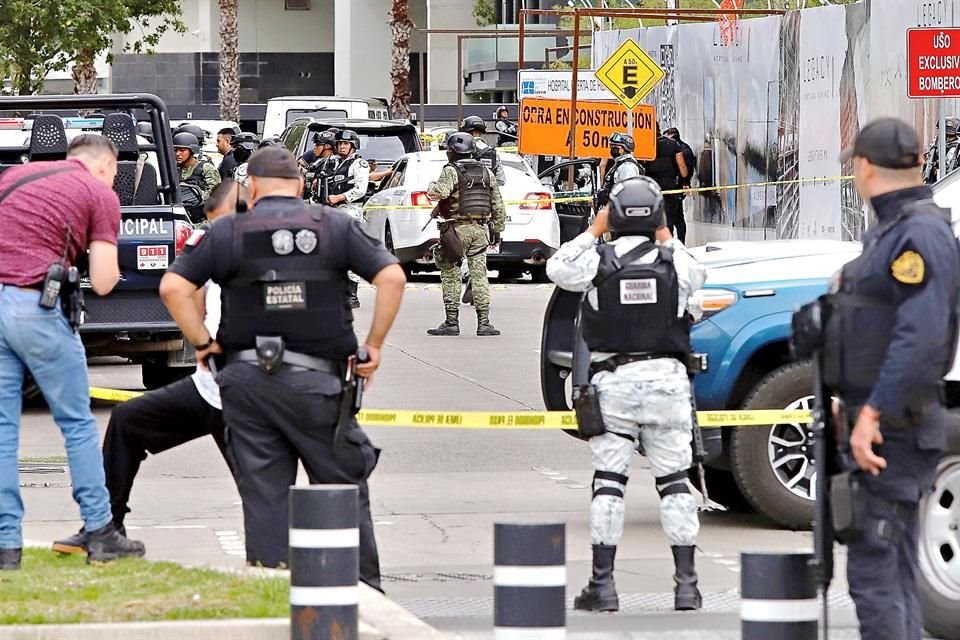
x: 379, y: 206
x: 574, y: 216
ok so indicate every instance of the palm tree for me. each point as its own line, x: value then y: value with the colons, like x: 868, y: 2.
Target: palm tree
x: 400, y: 28
x: 229, y: 61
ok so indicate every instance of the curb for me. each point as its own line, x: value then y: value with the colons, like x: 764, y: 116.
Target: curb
x: 392, y: 620
x: 246, y: 629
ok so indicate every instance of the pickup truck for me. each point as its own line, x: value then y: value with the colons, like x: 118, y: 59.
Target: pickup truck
x: 131, y: 321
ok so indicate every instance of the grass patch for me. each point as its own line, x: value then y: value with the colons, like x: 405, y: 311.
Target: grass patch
x: 50, y: 589
x: 44, y: 459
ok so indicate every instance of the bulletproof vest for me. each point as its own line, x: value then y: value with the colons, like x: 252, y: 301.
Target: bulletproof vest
x: 191, y: 190
x: 473, y: 190
x: 284, y: 284
x: 662, y: 168
x: 853, y: 357
x: 487, y: 156
x: 603, y: 195
x: 341, y: 181
x: 636, y: 305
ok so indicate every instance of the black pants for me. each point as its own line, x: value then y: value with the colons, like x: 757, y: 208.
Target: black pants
x: 675, y: 221
x: 154, y: 422
x: 274, y: 421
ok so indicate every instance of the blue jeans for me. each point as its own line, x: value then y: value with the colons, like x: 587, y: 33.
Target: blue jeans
x: 41, y: 341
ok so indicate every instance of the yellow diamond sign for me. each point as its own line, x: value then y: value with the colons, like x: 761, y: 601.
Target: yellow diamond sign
x: 630, y: 73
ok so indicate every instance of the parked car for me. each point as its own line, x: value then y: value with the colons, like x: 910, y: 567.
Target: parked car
x: 131, y: 321
x: 284, y: 110
x: 532, y: 231
x: 381, y: 141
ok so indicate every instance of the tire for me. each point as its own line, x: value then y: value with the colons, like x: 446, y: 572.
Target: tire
x: 155, y: 376
x: 939, y: 551
x: 539, y: 275
x: 723, y: 489
x: 388, y: 239
x: 789, y: 387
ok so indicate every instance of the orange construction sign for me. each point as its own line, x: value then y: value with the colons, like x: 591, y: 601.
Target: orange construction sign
x: 545, y: 128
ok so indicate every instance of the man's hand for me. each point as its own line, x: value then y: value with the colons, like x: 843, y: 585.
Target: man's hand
x: 202, y: 356
x: 600, y: 224
x: 865, y: 434
x: 663, y: 235
x: 335, y: 200
x: 367, y: 369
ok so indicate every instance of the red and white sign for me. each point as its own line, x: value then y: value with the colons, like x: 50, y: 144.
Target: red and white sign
x: 152, y: 257
x: 933, y: 63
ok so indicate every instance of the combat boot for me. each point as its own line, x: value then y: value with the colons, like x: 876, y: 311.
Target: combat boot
x: 77, y: 543
x: 354, y: 300
x: 484, y: 328
x: 449, y: 327
x: 106, y: 544
x: 686, y: 595
x: 601, y: 593
x: 10, y: 559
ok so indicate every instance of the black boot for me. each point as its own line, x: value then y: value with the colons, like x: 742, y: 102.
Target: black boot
x: 484, y: 328
x: 77, y: 543
x: 106, y: 544
x: 10, y: 559
x: 601, y: 593
x: 354, y: 300
x: 449, y: 327
x: 686, y: 595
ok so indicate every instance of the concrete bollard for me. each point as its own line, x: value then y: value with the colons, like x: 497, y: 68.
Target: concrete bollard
x: 324, y: 562
x: 778, y: 597
x: 529, y: 582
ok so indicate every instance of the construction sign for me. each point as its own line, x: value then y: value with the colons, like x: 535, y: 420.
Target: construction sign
x: 545, y: 128
x: 630, y: 73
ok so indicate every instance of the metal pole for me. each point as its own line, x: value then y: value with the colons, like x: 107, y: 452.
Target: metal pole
x: 573, y: 89
x: 630, y: 122
x: 529, y: 581
x: 459, y: 80
x: 779, y: 596
x: 942, y: 169
x: 523, y: 20
x: 423, y: 92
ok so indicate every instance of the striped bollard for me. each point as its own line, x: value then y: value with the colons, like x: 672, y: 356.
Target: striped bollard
x: 324, y: 562
x: 778, y: 597
x: 529, y: 582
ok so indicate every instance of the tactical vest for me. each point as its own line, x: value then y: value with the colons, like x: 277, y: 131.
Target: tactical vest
x: 852, y: 357
x: 474, y: 200
x: 636, y: 305
x: 284, y: 285
x: 487, y: 156
x: 341, y: 181
x: 610, y: 179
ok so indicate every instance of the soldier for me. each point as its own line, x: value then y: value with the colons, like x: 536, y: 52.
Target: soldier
x: 347, y: 186
x: 636, y: 322
x: 197, y: 178
x: 624, y: 166
x: 319, y: 172
x: 485, y: 154
x: 469, y: 194
x: 931, y: 167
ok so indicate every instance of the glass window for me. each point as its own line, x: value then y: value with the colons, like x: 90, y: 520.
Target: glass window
x: 293, y: 114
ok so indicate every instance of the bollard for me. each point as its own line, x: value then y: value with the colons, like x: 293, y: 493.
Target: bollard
x: 529, y: 582
x: 778, y: 597
x: 324, y: 562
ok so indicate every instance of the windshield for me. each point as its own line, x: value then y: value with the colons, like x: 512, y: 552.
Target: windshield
x: 325, y: 114
x: 387, y: 148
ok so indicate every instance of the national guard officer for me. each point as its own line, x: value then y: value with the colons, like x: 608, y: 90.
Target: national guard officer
x: 624, y: 166
x: 890, y: 335
x: 636, y: 321
x: 285, y: 337
x: 470, y: 201
x: 506, y: 130
x: 931, y: 167
x: 244, y: 144
x: 348, y: 185
x: 485, y: 154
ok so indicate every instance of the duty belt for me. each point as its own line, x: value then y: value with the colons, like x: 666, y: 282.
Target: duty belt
x: 614, y: 362
x: 904, y: 511
x: 296, y: 361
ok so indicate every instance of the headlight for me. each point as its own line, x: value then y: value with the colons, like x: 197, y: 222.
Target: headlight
x: 713, y: 301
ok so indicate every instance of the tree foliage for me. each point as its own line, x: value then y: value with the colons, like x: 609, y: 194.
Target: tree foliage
x: 40, y: 36
x: 484, y: 13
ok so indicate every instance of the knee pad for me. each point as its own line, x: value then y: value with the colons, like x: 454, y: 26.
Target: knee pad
x: 609, y: 476
x: 672, y: 484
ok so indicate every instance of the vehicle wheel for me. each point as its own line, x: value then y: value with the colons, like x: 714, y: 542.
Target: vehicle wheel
x: 155, y: 376
x: 939, y: 578
x: 723, y: 489
x: 539, y: 274
x: 774, y: 465
x: 388, y: 239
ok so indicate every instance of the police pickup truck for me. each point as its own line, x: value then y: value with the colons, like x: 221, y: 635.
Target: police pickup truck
x: 130, y: 322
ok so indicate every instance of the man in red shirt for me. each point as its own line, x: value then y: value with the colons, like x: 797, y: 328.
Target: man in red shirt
x: 52, y: 212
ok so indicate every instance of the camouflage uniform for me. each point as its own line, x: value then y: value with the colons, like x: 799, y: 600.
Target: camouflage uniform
x: 647, y: 401
x: 475, y: 242
x: 211, y: 177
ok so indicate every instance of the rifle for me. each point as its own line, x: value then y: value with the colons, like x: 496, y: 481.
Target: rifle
x: 697, y: 363
x: 351, y: 399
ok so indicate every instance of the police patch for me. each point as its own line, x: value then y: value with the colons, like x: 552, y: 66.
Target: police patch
x: 282, y: 240
x: 908, y: 268
x: 285, y: 295
x: 306, y: 240
x: 195, y: 237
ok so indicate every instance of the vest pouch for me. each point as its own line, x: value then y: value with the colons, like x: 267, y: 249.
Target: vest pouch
x: 847, y: 507
x: 586, y: 404
x: 270, y: 353
x: 451, y: 246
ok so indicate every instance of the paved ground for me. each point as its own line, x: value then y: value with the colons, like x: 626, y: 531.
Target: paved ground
x: 437, y: 493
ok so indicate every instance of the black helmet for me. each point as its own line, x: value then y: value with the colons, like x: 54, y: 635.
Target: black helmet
x: 636, y: 207
x: 500, y: 110
x: 347, y: 135
x: 145, y: 129
x: 474, y: 123
x: 271, y: 141
x: 186, y: 140
x: 325, y: 137
x: 199, y: 133
x: 245, y: 140
x: 953, y: 126
x: 624, y: 141
x: 461, y: 143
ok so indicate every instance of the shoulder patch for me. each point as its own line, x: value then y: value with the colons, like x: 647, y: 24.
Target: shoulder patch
x: 908, y: 268
x: 196, y: 237
x: 362, y: 163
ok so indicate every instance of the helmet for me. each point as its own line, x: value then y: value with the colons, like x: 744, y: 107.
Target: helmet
x: 199, y: 133
x: 186, y: 140
x: 271, y: 141
x: 636, y: 207
x: 246, y: 140
x: 500, y: 110
x: 474, y: 123
x: 325, y: 137
x: 953, y: 126
x: 347, y: 135
x: 461, y: 143
x: 624, y: 141
x: 145, y: 129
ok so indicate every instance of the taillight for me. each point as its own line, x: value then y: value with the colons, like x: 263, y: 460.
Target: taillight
x: 536, y: 200
x: 420, y: 199
x: 181, y: 233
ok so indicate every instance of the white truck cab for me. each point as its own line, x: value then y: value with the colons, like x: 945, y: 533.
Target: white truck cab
x: 281, y: 111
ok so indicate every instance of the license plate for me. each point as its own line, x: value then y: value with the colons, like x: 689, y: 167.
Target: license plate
x: 494, y: 248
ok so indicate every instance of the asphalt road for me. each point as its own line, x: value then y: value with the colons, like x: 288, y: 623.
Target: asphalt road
x: 437, y: 493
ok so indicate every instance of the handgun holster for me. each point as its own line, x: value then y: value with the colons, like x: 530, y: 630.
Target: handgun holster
x: 586, y: 404
x: 269, y: 353
x: 847, y: 505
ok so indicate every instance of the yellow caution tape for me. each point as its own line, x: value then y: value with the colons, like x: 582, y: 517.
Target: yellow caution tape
x: 517, y: 420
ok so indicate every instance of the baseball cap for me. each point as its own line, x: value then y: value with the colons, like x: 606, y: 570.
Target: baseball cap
x: 273, y: 162
x: 886, y: 142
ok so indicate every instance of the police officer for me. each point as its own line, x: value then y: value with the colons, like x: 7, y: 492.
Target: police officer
x: 636, y: 322
x: 228, y: 165
x: 285, y: 336
x: 931, y: 167
x: 348, y: 185
x: 485, y: 154
x: 197, y: 179
x: 890, y: 336
x: 624, y: 166
x: 470, y: 200
x: 669, y: 169
x: 506, y: 130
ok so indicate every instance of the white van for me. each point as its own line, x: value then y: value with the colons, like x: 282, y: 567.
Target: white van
x: 282, y: 111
